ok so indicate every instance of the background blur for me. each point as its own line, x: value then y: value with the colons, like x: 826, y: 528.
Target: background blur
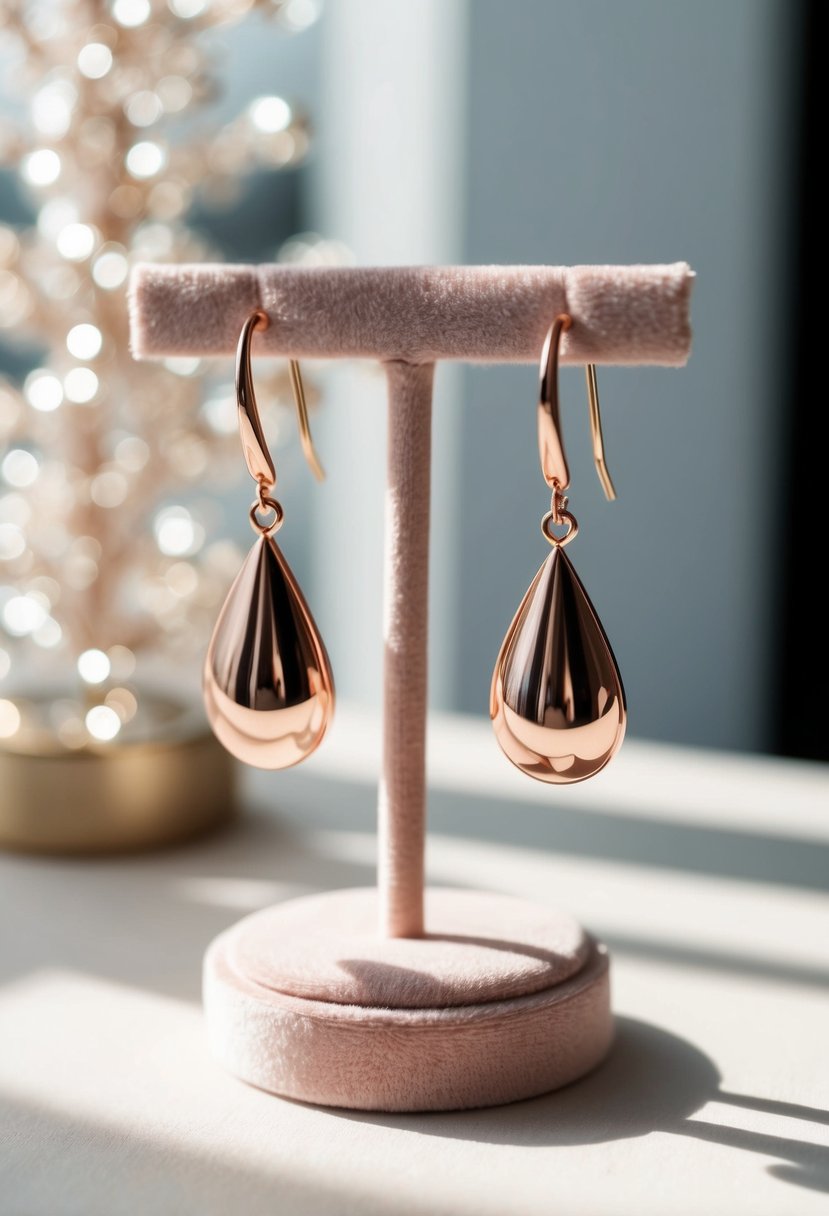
x: 449, y: 131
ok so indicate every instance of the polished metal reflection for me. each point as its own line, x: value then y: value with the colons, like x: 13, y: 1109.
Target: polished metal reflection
x: 257, y: 456
x: 557, y: 702
x: 550, y: 442
x: 268, y: 687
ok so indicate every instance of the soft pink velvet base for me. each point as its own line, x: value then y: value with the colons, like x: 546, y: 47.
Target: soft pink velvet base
x: 504, y: 1000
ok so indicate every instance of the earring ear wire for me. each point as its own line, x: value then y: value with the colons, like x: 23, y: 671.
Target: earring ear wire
x: 597, y: 434
x: 551, y: 452
x: 257, y: 457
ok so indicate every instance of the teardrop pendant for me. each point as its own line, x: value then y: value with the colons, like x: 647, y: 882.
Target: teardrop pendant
x: 268, y: 688
x: 557, y: 701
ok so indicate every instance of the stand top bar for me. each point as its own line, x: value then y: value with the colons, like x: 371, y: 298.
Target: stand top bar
x: 419, y: 314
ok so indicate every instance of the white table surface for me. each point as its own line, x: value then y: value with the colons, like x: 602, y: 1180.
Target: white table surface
x: 706, y: 874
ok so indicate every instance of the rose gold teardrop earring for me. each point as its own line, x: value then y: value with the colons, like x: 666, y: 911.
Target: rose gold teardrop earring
x: 557, y: 703
x: 268, y: 688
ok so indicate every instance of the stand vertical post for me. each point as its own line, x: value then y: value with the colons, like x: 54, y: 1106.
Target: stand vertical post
x: 402, y: 797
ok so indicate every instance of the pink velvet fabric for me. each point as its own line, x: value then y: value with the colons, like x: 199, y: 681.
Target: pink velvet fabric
x: 402, y: 793
x: 421, y: 314
x: 477, y: 947
x: 415, y: 1058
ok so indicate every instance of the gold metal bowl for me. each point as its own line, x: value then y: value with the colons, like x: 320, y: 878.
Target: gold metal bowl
x: 159, y: 785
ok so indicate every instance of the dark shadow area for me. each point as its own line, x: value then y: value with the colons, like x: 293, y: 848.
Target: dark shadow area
x: 380, y: 983
x: 497, y: 943
x: 660, y: 843
x: 164, y: 908
x: 726, y: 962
x: 652, y: 1081
x: 785, y: 1110
x: 146, y: 920
x: 659, y: 952
x: 800, y: 610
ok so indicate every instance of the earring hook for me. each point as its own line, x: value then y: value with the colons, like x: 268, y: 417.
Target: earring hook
x: 255, y: 448
x: 550, y: 444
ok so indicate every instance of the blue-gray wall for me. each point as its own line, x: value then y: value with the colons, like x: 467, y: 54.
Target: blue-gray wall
x: 639, y: 132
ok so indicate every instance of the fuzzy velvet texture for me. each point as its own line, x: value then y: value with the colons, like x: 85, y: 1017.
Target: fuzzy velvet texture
x: 413, y: 1058
x: 477, y: 947
x: 485, y: 314
x: 402, y: 793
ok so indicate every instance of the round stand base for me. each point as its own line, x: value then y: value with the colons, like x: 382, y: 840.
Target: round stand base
x: 502, y: 999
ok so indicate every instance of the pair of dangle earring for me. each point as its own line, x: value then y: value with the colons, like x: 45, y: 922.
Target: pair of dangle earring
x: 268, y: 688
x: 557, y: 702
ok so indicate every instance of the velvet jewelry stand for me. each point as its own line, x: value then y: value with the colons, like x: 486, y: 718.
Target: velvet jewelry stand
x: 393, y: 1000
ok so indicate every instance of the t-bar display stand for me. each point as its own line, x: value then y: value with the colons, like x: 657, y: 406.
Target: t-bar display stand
x: 391, y: 1000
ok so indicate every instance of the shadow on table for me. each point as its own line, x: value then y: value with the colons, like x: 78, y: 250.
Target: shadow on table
x: 146, y: 920
x: 661, y: 844
x: 652, y: 1081
x: 185, y: 896
x: 582, y: 831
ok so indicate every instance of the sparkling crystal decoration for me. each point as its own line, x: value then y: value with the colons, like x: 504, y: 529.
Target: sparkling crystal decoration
x: 105, y: 548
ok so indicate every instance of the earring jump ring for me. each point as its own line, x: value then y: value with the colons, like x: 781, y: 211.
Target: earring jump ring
x: 565, y: 518
x: 263, y: 504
